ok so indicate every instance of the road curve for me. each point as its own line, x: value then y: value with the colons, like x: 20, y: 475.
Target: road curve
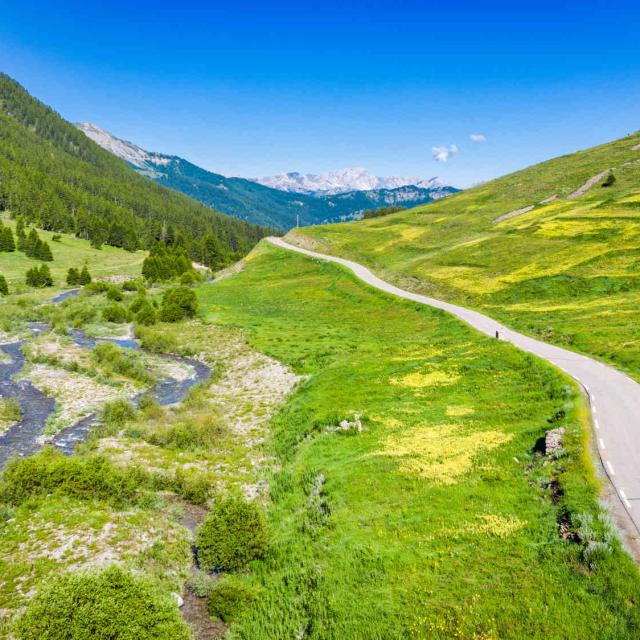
x: 614, y: 397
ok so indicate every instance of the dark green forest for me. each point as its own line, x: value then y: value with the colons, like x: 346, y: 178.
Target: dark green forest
x: 53, y: 176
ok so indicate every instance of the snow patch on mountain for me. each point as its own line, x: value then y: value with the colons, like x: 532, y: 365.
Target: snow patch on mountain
x: 342, y: 181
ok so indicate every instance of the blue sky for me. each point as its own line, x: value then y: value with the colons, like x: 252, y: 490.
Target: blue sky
x: 255, y: 88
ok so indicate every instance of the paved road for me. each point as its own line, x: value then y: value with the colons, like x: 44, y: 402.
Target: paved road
x: 614, y: 397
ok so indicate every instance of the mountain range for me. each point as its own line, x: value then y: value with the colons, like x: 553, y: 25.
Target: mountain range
x: 333, y: 197
x: 342, y: 181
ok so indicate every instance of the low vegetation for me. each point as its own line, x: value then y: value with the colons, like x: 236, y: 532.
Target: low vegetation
x: 561, y: 265
x: 232, y: 535
x: 435, y: 519
x: 112, y: 603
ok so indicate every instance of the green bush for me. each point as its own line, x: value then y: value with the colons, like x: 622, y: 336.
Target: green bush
x: 79, y: 313
x: 228, y: 597
x: 190, y: 278
x: 133, y: 285
x: 177, y: 304
x: 156, y: 341
x: 117, y: 413
x: 146, y: 315
x: 201, y: 583
x: 10, y: 410
x: 51, y: 471
x: 4, y: 287
x: 231, y: 536
x: 115, y: 313
x: 116, y: 360
x: 101, y: 605
x: 94, y: 288
x: 137, y: 303
x: 114, y: 293
x: 193, y: 486
x: 201, y: 432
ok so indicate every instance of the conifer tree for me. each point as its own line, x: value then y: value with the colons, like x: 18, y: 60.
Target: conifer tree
x: 73, y: 277
x: 6, y: 239
x: 84, y: 277
x: 43, y: 251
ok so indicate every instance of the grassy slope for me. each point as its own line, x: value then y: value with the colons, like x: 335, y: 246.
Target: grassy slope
x: 69, y: 252
x: 432, y: 522
x: 567, y: 271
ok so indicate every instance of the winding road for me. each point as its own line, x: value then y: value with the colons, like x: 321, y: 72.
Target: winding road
x: 613, y: 396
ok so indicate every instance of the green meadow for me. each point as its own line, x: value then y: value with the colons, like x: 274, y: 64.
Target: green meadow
x: 567, y: 271
x: 438, y: 519
x: 68, y: 251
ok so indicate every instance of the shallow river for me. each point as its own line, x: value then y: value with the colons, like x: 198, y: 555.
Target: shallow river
x: 23, y: 438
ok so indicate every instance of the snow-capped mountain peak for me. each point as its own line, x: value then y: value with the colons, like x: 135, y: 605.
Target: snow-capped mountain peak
x: 341, y: 181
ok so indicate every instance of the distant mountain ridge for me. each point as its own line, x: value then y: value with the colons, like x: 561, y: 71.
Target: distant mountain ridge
x: 260, y: 204
x: 343, y: 181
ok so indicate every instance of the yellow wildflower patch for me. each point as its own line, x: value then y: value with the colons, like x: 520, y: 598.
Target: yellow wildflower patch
x: 459, y: 410
x: 419, y: 380
x: 492, y: 524
x: 440, y: 453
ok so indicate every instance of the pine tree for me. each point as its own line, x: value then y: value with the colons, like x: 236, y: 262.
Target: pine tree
x: 33, y: 277
x: 4, y: 288
x: 6, y: 239
x: 22, y: 238
x: 31, y: 244
x: 45, y: 276
x: 73, y: 277
x: 84, y: 277
x: 43, y: 251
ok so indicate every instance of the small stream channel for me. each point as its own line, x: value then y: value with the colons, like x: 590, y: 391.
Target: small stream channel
x: 23, y: 438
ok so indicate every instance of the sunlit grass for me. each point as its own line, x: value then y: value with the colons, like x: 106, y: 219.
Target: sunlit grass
x: 435, y: 522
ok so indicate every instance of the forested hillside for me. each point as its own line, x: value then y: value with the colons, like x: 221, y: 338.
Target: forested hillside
x: 55, y: 177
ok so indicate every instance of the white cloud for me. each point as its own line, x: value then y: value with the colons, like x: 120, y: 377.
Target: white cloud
x: 442, y: 154
x: 478, y: 137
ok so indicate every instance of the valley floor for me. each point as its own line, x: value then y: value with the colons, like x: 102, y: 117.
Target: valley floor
x: 439, y: 519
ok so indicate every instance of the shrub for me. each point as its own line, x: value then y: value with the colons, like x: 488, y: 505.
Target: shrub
x: 10, y: 410
x: 117, y: 360
x: 190, y: 278
x: 117, y: 413
x: 193, y: 486
x: 114, y: 293
x: 56, y: 237
x: 133, y: 285
x: 137, y: 303
x: 231, y: 536
x: 94, y: 288
x: 156, y: 341
x: 146, y: 315
x: 101, y: 605
x: 201, y: 583
x: 51, y: 471
x: 4, y: 287
x: 228, y: 597
x: 80, y: 313
x: 610, y: 180
x: 200, y: 432
x: 115, y: 313
x: 177, y: 304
